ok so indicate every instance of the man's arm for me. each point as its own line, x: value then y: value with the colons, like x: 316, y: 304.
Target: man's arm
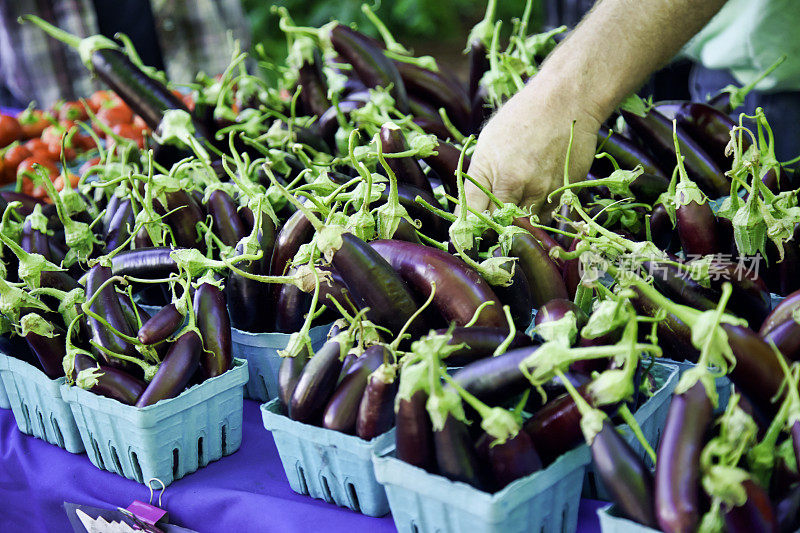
x: 521, y: 151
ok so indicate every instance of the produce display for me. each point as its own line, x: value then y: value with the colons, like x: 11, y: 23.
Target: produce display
x: 337, y: 196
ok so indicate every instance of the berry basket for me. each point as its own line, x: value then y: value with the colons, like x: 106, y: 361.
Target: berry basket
x: 260, y: 350
x: 545, y: 501
x: 36, y: 403
x: 612, y: 522
x: 168, y: 439
x: 326, y: 464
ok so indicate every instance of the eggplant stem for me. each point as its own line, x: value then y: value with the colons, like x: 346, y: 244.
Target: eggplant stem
x: 629, y: 419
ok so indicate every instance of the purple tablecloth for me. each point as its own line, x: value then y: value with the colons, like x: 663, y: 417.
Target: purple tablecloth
x: 244, y: 492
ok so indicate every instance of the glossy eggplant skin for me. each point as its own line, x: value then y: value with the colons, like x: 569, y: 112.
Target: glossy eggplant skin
x: 414, y: 432
x: 108, y: 306
x: 542, y: 273
x: 149, y: 263
x: 376, y: 410
x: 626, y: 153
x: 439, y: 88
x: 786, y: 337
x: 161, y: 325
x: 372, y: 282
x: 655, y: 131
x: 445, y: 163
x: 406, y: 169
x: 757, y: 373
x: 369, y: 62
x: 710, y: 127
x: 697, y: 228
x: 226, y: 222
x: 757, y: 513
x: 516, y: 296
x: 111, y: 382
x: 782, y: 312
x: 289, y: 373
x: 555, y: 428
x: 316, y: 383
x: 460, y: 290
x: 677, y: 480
x: 494, y: 379
x: 175, y: 371
x: 50, y: 351
x: 507, y: 462
x: 211, y: 315
x: 624, y: 474
x: 341, y: 413
x: 455, y: 454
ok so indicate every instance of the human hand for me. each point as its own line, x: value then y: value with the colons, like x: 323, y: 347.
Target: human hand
x: 521, y: 151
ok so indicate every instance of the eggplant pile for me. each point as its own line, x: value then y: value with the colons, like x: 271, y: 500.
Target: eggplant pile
x: 336, y: 195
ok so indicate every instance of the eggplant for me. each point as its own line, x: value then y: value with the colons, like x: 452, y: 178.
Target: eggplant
x: 316, y: 382
x: 655, y: 131
x: 544, y: 278
x: 161, y: 325
x: 341, y: 413
x: 414, y: 432
x: 626, y: 153
x: 147, y: 263
x: 111, y: 382
x: 405, y: 169
x: 289, y: 373
x: 624, y: 474
x: 509, y: 461
x: 677, y: 481
x: 226, y: 222
x: 376, y: 410
x: 108, y: 306
x: 756, y: 514
x: 495, y: 379
x: 211, y: 315
x: 455, y: 453
x: 479, y: 343
x: 175, y: 371
x: 459, y: 289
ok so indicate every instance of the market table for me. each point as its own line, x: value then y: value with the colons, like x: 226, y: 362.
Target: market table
x: 244, y: 492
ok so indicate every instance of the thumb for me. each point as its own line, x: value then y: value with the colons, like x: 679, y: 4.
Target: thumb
x: 476, y: 198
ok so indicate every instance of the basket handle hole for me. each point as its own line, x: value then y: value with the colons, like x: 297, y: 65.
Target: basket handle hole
x: 27, y: 415
x: 351, y: 492
x: 326, y: 490
x: 301, y: 475
x: 115, y: 458
x: 200, y: 460
x: 137, y: 468
x: 57, y: 430
x: 175, y: 462
x: 41, y: 424
x: 96, y: 447
x: 414, y: 528
x: 224, y: 440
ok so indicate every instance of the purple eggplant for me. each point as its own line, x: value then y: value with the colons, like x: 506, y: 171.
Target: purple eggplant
x: 161, y: 325
x: 341, y: 413
x: 214, y: 324
x: 494, y: 379
x: 455, y: 454
x: 509, y: 461
x: 624, y: 474
x: 376, y: 410
x: 756, y: 514
x: 226, y: 222
x: 782, y: 312
x: 406, y: 169
x: 175, y: 371
x: 459, y: 289
x: 479, y: 343
x: 107, y: 305
x: 316, y: 382
x: 111, y: 382
x: 414, y: 432
x: 289, y: 373
x: 677, y: 481
x: 655, y: 131
x: 145, y: 263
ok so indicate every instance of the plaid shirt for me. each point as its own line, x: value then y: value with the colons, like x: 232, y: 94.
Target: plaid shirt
x: 193, y: 37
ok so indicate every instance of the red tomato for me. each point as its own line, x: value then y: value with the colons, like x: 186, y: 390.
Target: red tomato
x: 59, y: 181
x: 11, y: 160
x: 51, y: 136
x: 25, y: 168
x: 128, y: 131
x: 72, y: 111
x: 10, y: 130
x: 119, y: 114
x: 98, y: 99
x: 33, y: 123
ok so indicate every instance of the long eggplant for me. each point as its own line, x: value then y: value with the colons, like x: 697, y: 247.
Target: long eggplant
x: 161, y: 325
x: 655, y: 131
x: 494, y: 379
x: 677, y: 481
x: 626, y: 153
x: 479, y: 343
x: 111, y: 382
x: 376, y: 410
x: 455, y: 454
x: 211, y: 315
x: 175, y: 371
x: 341, y: 413
x: 107, y: 305
x: 624, y: 474
x: 756, y: 514
x: 414, y: 432
x: 459, y: 289
x: 145, y: 263
x: 316, y: 382
x: 406, y: 169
